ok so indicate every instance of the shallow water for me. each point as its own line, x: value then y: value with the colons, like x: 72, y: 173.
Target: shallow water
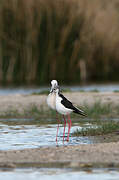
x: 22, y: 136
x: 59, y: 174
x: 30, y: 134
x: 29, y: 90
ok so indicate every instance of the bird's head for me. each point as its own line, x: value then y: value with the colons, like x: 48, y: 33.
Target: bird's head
x: 54, y: 85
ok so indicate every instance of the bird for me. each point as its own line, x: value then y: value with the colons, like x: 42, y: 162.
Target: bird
x: 65, y: 107
x: 62, y: 105
x: 51, y: 101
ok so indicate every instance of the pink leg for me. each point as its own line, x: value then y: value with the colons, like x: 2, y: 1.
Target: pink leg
x: 68, y: 128
x: 58, y: 125
x: 64, y: 127
x: 69, y: 124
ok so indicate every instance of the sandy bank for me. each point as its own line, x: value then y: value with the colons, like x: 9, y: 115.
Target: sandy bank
x: 106, y: 155
x: 24, y: 102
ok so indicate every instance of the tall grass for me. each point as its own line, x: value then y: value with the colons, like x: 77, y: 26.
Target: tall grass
x: 69, y: 40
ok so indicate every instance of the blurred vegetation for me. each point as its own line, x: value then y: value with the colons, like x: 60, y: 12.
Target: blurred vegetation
x: 74, y: 41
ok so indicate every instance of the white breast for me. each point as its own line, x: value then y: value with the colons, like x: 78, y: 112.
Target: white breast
x: 51, y: 101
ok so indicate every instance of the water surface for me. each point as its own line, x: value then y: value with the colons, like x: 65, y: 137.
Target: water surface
x: 29, y: 90
x: 23, y: 136
x: 59, y: 174
x: 27, y: 133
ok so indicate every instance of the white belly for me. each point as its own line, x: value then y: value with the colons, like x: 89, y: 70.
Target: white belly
x: 60, y: 108
x: 51, y: 101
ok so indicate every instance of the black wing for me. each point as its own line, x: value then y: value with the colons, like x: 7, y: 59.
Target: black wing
x: 69, y: 105
x: 66, y: 102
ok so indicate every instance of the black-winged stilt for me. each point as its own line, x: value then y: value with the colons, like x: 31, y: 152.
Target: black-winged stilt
x: 65, y: 107
x: 58, y: 102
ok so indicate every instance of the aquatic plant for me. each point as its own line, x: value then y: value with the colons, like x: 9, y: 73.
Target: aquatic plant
x: 101, y: 129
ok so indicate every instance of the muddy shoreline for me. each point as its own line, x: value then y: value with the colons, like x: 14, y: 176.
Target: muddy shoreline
x: 79, y: 156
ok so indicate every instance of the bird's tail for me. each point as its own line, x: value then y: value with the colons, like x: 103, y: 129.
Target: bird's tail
x: 79, y: 111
